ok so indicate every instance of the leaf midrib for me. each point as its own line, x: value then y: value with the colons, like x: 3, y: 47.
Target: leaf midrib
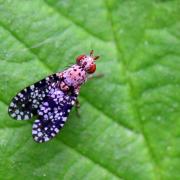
x: 121, y: 57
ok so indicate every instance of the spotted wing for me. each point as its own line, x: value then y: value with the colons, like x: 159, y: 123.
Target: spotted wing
x: 25, y: 104
x: 52, y: 113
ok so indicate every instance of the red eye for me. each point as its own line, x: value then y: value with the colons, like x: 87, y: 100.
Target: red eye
x: 80, y: 58
x: 92, y: 69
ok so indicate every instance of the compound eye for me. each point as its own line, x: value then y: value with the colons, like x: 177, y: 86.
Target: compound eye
x: 80, y: 58
x: 92, y: 69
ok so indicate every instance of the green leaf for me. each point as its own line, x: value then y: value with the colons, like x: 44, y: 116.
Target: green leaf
x: 130, y: 119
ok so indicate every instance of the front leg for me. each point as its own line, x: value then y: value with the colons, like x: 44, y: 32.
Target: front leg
x: 92, y: 76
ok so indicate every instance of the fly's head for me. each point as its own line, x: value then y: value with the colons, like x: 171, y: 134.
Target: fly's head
x: 87, y: 62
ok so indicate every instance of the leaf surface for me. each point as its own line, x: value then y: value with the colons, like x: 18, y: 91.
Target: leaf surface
x: 129, y: 124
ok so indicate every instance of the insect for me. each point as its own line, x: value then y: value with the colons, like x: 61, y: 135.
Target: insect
x: 52, y: 98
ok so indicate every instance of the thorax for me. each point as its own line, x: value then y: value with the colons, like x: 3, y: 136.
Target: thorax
x: 74, y: 76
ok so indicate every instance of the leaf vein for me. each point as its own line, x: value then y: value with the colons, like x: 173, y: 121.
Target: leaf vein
x: 75, y: 23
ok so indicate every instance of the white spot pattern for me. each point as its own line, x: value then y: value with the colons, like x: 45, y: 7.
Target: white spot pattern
x: 52, y: 114
x: 51, y: 99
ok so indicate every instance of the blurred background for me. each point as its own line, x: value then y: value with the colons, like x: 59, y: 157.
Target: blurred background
x: 129, y: 123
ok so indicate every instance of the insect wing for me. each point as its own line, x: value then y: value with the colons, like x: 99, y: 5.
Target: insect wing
x: 53, y: 113
x: 25, y: 104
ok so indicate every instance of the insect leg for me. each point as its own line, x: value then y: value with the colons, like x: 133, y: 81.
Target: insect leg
x: 77, y: 106
x: 92, y: 76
